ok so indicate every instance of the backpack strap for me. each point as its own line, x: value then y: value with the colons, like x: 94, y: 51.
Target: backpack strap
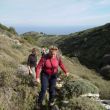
x: 58, y: 58
x: 45, y: 58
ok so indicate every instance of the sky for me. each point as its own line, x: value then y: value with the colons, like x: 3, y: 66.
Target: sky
x: 29, y: 14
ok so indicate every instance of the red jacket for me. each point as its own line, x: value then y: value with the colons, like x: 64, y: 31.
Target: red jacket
x: 49, y: 65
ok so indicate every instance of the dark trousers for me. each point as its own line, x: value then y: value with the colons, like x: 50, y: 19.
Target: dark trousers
x: 47, y: 81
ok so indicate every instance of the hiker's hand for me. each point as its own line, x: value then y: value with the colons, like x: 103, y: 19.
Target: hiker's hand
x: 38, y: 80
x: 30, y: 71
x: 67, y: 74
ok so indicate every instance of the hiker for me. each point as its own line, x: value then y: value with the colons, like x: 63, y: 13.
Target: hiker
x: 49, y: 64
x: 43, y: 51
x: 31, y: 63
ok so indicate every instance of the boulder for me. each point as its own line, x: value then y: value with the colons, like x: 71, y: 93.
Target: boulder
x: 105, y: 71
x: 106, y: 59
x: 23, y: 70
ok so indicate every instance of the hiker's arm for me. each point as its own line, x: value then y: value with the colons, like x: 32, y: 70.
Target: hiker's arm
x: 28, y: 61
x: 62, y: 66
x: 39, y: 67
x: 28, y: 65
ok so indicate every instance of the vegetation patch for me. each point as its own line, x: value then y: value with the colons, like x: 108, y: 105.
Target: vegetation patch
x: 82, y: 104
x: 76, y: 88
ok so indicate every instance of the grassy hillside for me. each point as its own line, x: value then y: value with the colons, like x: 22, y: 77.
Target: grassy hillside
x: 89, y: 46
x: 16, y: 91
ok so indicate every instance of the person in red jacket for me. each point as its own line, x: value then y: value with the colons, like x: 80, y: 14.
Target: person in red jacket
x: 49, y: 65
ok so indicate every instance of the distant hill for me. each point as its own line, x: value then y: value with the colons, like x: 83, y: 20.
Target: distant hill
x: 36, y: 38
x: 89, y: 46
x: 32, y: 33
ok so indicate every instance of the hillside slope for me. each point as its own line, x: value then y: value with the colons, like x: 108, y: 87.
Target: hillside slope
x: 15, y: 92
x: 89, y: 46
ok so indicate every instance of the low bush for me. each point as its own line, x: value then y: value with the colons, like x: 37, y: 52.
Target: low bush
x: 30, y: 40
x: 76, y: 88
x: 15, y: 46
x: 23, y: 98
x: 82, y: 104
x: 16, y: 92
x: 6, y: 77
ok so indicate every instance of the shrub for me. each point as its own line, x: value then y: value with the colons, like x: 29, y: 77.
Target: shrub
x: 3, y: 27
x: 76, y: 88
x: 25, y: 80
x: 24, y: 98
x: 12, y: 30
x: 82, y: 104
x: 6, y: 77
x: 105, y: 71
x: 8, y: 34
x: 30, y: 40
x: 16, y: 92
x: 15, y: 46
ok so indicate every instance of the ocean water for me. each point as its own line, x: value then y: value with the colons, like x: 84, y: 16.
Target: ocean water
x: 52, y: 30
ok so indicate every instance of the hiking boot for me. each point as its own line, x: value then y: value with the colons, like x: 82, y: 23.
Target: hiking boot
x: 39, y: 106
x: 52, y: 103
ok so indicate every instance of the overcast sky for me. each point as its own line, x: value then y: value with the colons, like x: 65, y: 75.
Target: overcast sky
x: 54, y: 12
